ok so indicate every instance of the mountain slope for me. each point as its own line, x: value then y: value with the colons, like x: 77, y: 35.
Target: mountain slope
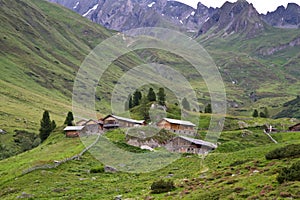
x: 284, y: 17
x: 240, y: 174
x: 42, y: 46
x: 128, y: 14
x: 240, y: 18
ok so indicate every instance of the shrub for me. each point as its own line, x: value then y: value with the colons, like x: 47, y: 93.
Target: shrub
x: 99, y: 169
x: 284, y: 152
x: 289, y: 174
x: 162, y: 186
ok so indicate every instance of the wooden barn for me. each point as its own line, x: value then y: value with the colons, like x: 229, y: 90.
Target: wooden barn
x: 177, y: 126
x: 181, y: 144
x: 295, y: 128
x: 113, y: 121
x: 73, y: 131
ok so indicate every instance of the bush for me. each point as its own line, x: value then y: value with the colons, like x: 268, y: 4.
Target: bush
x: 284, y: 152
x: 289, y: 174
x: 162, y: 186
x: 95, y: 170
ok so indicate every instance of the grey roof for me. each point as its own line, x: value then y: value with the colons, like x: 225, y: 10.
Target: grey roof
x: 128, y: 120
x: 73, y: 128
x: 181, y: 122
x: 200, y: 142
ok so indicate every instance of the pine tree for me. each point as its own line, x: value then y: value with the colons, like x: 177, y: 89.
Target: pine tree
x: 185, y: 104
x: 262, y: 115
x: 137, y: 96
x: 53, y: 125
x: 130, y: 103
x: 151, y: 95
x: 208, y: 108
x: 161, y: 97
x: 46, y: 126
x: 266, y: 112
x: 69, y: 119
x: 255, y: 113
x: 144, y: 109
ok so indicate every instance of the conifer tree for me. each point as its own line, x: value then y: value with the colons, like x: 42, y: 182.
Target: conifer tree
x: 151, y: 95
x: 137, y: 96
x: 69, y: 119
x: 46, y: 126
x: 185, y: 104
x: 161, y: 97
x: 255, y: 113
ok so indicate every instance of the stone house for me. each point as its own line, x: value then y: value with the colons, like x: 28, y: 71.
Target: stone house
x: 295, y: 128
x: 177, y: 126
x: 181, y: 144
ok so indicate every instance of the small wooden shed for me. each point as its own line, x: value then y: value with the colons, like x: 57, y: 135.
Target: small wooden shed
x: 181, y: 144
x: 295, y: 128
x: 177, y: 126
x: 73, y: 131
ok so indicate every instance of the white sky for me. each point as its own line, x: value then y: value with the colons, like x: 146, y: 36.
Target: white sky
x: 262, y: 6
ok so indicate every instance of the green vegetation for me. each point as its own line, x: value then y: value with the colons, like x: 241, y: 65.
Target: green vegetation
x: 290, y: 174
x: 151, y: 95
x: 162, y: 186
x: 240, y: 174
x: 255, y: 113
x: 292, y: 150
x: 161, y: 97
x: 47, y: 126
x: 185, y: 104
x: 69, y: 119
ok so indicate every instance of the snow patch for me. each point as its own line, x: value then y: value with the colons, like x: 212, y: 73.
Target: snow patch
x: 76, y: 5
x: 90, y: 10
x: 181, y: 22
x: 193, y: 13
x: 151, y: 4
x: 207, y: 19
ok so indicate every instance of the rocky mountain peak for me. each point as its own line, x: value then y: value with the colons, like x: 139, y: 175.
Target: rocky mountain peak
x: 288, y: 17
x: 238, y: 17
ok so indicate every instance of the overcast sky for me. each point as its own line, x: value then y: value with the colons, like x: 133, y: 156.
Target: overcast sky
x: 262, y: 6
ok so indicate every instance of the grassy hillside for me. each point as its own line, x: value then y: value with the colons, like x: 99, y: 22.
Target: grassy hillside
x: 42, y: 46
x: 265, y: 65
x: 236, y: 175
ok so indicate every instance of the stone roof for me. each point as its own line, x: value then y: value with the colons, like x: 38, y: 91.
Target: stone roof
x: 73, y: 128
x: 200, y: 142
x: 181, y: 122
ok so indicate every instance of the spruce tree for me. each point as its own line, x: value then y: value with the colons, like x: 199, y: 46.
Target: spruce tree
x: 267, y: 115
x: 130, y: 103
x: 161, y: 97
x: 151, y: 95
x: 69, y: 119
x: 255, y: 113
x: 137, y: 96
x: 208, y: 108
x: 185, y: 104
x: 144, y: 109
x: 46, y: 126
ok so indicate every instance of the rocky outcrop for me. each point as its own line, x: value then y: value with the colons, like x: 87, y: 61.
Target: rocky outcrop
x: 288, y: 17
x: 128, y: 14
x: 273, y: 50
x: 239, y: 17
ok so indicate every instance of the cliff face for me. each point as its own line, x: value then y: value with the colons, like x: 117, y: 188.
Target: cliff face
x: 284, y: 17
x: 240, y: 17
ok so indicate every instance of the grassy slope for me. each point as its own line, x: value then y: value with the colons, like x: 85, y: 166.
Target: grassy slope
x: 72, y: 180
x: 272, y: 78
x: 42, y: 47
